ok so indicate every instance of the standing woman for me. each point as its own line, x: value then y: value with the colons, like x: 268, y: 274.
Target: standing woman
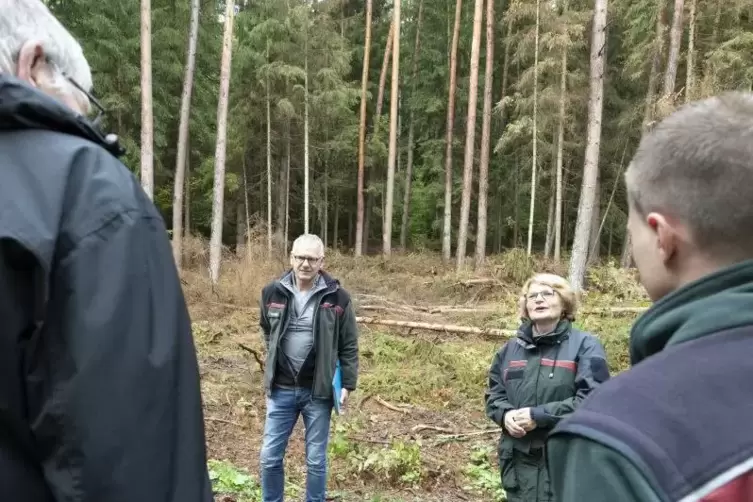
x: 536, y: 379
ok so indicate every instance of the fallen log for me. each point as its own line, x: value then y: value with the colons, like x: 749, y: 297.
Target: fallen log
x: 445, y: 328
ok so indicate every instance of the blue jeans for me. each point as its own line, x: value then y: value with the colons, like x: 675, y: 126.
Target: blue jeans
x: 283, y: 408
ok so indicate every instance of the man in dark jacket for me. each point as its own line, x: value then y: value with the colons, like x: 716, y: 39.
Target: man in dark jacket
x: 99, y: 386
x: 676, y: 427
x: 309, y: 326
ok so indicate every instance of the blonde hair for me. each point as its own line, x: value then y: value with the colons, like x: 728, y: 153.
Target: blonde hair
x: 560, y: 286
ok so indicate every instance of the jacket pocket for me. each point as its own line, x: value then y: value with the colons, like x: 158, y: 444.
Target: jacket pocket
x: 507, y: 468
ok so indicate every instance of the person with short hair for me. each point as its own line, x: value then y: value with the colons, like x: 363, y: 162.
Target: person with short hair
x: 536, y: 379
x: 309, y: 326
x: 675, y: 427
x: 99, y: 382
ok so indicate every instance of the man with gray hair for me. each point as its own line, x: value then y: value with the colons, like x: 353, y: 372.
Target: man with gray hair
x: 676, y: 427
x: 309, y: 328
x: 99, y: 384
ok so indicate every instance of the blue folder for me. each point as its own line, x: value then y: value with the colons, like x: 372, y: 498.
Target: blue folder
x: 337, y: 387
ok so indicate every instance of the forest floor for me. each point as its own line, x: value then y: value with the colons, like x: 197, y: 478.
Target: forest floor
x: 415, y: 429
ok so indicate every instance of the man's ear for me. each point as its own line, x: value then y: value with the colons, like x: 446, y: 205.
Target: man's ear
x: 667, y: 235
x: 31, y: 60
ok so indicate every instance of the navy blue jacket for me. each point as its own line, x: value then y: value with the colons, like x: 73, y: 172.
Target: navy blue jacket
x: 677, y: 426
x: 99, y: 382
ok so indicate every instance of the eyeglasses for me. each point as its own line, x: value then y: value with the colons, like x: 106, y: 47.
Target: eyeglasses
x: 97, y: 121
x: 544, y: 294
x: 310, y: 259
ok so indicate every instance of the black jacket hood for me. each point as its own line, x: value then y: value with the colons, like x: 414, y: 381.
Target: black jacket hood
x: 24, y: 107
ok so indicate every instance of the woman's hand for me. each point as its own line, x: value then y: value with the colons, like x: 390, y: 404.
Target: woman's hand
x: 524, y: 420
x: 511, y: 425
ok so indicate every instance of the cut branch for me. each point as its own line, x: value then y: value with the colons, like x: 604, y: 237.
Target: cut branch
x: 447, y: 328
x: 255, y: 353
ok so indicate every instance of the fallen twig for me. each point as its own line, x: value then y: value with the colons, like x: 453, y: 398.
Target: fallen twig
x: 255, y: 353
x: 447, y: 328
x: 481, y: 281
x: 389, y: 406
x: 424, y: 427
x: 222, y: 420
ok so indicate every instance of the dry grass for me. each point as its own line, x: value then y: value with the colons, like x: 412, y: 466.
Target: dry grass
x: 436, y: 379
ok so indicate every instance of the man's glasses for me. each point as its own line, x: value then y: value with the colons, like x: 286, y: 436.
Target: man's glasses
x: 310, y: 259
x: 97, y: 121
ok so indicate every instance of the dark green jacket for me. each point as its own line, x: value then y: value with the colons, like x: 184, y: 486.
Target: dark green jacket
x: 551, y: 374
x: 335, y: 336
x: 676, y: 426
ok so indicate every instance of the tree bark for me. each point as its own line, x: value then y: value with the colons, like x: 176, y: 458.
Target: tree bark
x: 486, y: 125
x: 535, y: 140
x: 447, y: 221
x: 147, y: 118
x: 470, y: 135
x: 362, y: 133
x: 215, y: 242
x: 675, y: 39
x: 411, y: 132
x: 690, y: 73
x: 593, y: 143
x: 185, y: 119
x: 393, y: 152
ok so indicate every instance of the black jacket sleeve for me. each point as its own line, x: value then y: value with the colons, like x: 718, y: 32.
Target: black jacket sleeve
x: 497, y: 403
x: 114, y: 393
x: 581, y: 469
x: 592, y: 371
x: 348, y: 348
x: 263, y: 320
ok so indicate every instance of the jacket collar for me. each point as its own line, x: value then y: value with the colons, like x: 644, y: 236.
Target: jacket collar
x: 525, y: 333
x: 331, y: 284
x: 719, y: 301
x: 25, y: 107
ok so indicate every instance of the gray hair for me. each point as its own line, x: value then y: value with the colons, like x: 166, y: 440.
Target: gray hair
x: 24, y: 20
x: 697, y: 166
x: 308, y: 240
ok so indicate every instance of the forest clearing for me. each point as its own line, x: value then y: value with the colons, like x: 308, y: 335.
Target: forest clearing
x: 415, y: 429
x: 443, y: 151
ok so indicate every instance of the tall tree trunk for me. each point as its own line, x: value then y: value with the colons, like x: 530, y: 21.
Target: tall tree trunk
x: 187, y: 215
x: 505, y: 67
x: 185, y: 119
x: 215, y: 241
x: 658, y: 51
x: 535, y: 140
x: 411, y: 132
x: 373, y: 174
x: 287, y: 195
x: 362, y: 133
x: 626, y: 258
x: 240, y: 229
x: 325, y: 213
x: 690, y: 73
x: 147, y: 118
x: 486, y: 126
x: 470, y: 135
x: 447, y: 222
x: 593, y: 142
x: 306, y: 130
x: 594, y: 237
x: 335, y: 230
x: 560, y: 152
x: 269, y: 163
x: 675, y: 39
x: 392, y: 156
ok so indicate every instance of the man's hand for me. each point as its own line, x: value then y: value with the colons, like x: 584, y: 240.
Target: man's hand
x: 344, y: 395
x: 511, y: 425
x: 523, y: 419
